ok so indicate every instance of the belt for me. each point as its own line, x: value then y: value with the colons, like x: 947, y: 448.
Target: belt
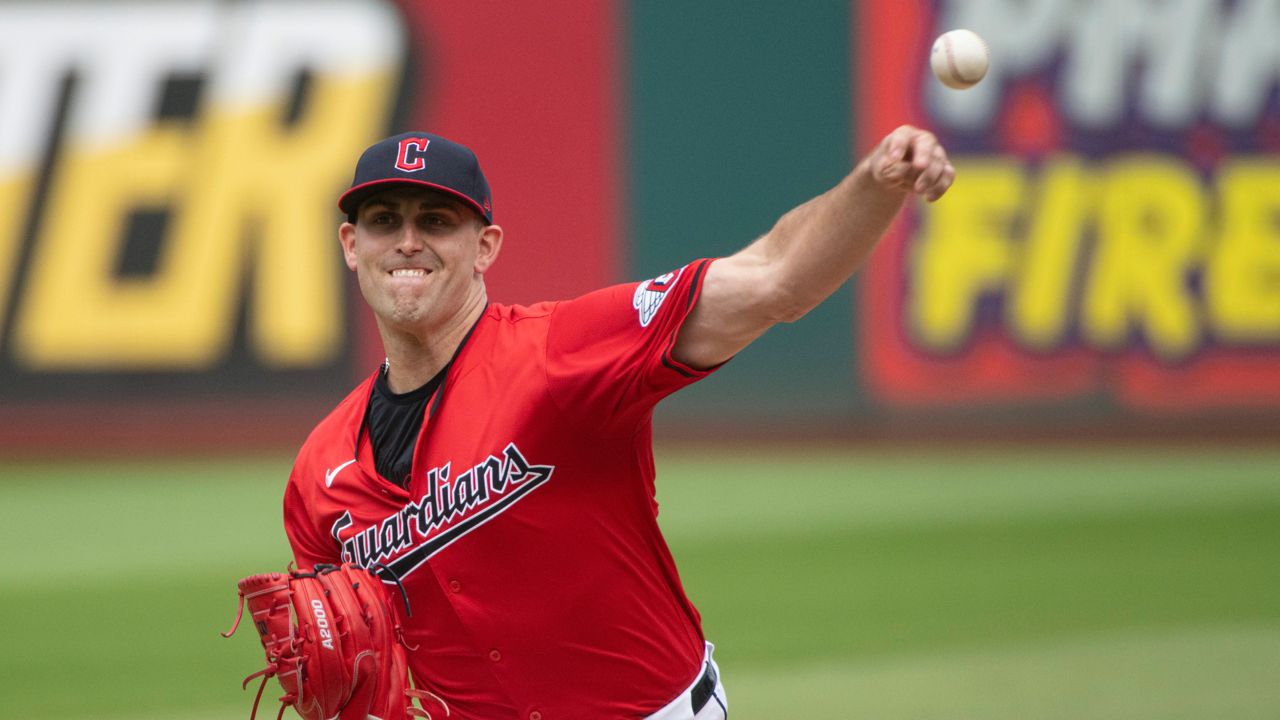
x: 704, y: 688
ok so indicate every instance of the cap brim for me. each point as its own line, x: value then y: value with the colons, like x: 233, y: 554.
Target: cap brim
x: 353, y: 198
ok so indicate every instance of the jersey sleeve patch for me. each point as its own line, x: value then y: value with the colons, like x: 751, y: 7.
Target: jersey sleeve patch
x: 650, y: 295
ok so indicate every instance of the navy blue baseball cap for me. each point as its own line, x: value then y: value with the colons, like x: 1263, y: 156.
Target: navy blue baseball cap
x: 423, y: 160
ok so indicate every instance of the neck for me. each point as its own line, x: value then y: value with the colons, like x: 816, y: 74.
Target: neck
x: 416, y: 356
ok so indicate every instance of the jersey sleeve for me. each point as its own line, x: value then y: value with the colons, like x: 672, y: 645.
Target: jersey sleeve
x: 310, y: 545
x: 609, y: 352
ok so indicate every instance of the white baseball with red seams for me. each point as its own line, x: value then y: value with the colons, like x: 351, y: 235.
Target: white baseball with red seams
x: 960, y: 59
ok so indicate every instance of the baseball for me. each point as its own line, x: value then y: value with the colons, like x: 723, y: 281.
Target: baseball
x: 959, y: 58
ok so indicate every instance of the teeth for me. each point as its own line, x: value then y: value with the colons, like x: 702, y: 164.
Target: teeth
x: 408, y: 272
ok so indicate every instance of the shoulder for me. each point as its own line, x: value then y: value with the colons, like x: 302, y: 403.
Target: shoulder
x: 643, y: 298
x: 645, y: 307
x: 504, y: 326
x: 499, y: 314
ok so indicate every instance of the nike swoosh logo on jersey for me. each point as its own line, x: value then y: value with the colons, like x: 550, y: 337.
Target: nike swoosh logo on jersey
x: 329, y: 475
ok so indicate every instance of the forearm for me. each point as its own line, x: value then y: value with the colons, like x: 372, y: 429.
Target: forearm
x: 814, y: 248
x: 811, y: 250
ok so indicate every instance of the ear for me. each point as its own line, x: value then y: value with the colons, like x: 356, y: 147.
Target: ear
x: 489, y: 245
x: 347, y: 236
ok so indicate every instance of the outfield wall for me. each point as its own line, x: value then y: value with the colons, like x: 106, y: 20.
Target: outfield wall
x: 1108, y: 260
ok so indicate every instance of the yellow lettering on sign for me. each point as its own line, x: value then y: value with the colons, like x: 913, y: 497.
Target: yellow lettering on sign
x: 1107, y: 252
x: 1149, y: 238
x: 249, y: 200
x: 966, y: 250
x: 1242, y: 281
x: 75, y: 309
x: 271, y: 195
x: 15, y: 201
x: 1040, y: 303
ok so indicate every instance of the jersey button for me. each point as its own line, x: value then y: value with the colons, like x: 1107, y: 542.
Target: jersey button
x: 494, y: 655
x: 455, y: 586
x: 535, y: 715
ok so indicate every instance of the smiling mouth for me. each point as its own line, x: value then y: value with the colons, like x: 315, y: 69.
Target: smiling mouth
x: 409, y: 272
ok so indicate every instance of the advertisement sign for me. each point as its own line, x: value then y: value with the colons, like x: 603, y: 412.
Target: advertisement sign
x: 169, y: 266
x: 169, y: 199
x: 1112, y: 237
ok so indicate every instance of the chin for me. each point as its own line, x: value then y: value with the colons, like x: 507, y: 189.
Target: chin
x: 402, y: 315
x: 409, y: 318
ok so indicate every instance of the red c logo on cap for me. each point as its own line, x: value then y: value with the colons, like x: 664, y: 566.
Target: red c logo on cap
x: 413, y: 154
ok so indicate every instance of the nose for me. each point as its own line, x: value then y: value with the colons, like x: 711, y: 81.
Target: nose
x: 408, y: 243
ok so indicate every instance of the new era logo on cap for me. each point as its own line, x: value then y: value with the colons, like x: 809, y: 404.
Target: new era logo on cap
x: 423, y: 160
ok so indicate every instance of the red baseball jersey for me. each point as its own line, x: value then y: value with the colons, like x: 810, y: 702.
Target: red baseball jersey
x: 527, y: 539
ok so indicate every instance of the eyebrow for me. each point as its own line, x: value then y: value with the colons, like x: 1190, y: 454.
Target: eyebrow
x: 392, y: 204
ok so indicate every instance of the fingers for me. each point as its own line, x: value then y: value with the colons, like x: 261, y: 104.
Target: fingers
x: 923, y: 147
x: 892, y: 152
x: 896, y: 144
x: 945, y: 180
x: 912, y: 159
x: 893, y: 167
x: 936, y: 174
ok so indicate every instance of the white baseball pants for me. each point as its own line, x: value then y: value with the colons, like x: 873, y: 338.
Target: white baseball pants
x: 716, y: 706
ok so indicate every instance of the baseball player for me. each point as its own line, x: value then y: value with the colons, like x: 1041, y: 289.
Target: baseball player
x: 499, y: 462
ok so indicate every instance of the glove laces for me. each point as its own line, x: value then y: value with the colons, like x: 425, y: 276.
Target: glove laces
x: 422, y: 696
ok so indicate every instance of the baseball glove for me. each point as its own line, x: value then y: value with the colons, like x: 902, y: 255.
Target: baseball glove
x: 333, y: 642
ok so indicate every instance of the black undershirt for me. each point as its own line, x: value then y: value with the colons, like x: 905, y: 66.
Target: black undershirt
x: 394, y: 422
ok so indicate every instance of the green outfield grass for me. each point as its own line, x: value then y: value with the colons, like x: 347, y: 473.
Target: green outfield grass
x: 1125, y: 583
